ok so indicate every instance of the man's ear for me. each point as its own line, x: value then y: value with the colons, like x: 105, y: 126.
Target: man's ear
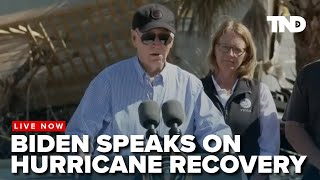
x: 134, y: 38
x: 171, y: 44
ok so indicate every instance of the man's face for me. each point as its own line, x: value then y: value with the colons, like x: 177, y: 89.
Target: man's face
x: 153, y: 48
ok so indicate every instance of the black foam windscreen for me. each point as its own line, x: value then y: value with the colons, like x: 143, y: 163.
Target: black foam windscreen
x: 149, y: 113
x: 172, y: 112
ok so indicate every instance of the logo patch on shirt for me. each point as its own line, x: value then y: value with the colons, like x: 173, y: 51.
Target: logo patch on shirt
x: 245, y: 103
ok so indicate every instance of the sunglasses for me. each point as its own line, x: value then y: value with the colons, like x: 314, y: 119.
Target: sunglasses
x: 149, y: 38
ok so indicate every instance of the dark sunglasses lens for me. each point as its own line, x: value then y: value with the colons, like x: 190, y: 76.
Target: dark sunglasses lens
x: 148, y: 38
x: 165, y: 39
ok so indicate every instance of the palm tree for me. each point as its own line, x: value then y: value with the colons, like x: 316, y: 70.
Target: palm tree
x: 308, y: 41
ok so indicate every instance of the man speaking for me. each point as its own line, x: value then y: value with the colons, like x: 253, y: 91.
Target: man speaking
x: 110, y: 103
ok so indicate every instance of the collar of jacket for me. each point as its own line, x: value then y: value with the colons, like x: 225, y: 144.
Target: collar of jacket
x: 241, y: 87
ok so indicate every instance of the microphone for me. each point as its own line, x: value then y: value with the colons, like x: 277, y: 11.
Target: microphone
x: 149, y: 115
x: 173, y: 116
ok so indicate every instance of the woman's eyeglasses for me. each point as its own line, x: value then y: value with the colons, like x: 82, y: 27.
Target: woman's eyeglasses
x: 149, y: 38
x: 226, y: 48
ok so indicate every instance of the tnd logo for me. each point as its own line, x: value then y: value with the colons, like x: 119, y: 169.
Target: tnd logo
x: 295, y: 24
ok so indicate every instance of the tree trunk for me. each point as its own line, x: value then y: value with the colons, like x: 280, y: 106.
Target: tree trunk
x: 255, y: 20
x: 308, y: 41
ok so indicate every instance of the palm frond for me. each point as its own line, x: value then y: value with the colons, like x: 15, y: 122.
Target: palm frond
x: 5, y: 138
x: 200, y: 13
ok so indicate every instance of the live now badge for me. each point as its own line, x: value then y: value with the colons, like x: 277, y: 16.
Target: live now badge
x: 38, y: 126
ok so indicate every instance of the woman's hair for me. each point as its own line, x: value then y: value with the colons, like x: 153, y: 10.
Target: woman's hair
x: 246, y: 69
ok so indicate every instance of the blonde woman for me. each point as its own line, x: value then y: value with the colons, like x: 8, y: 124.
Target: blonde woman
x: 246, y: 104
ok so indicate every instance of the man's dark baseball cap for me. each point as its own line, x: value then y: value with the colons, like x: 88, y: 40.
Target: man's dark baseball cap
x: 153, y: 16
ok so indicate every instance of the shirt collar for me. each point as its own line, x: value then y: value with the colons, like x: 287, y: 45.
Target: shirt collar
x: 219, y: 89
x: 161, y: 78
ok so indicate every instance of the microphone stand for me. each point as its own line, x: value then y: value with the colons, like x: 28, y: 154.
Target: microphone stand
x: 151, y: 131
x: 166, y: 175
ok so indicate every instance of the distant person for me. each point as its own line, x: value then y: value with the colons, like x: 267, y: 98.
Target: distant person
x: 110, y: 104
x: 302, y: 118
x: 246, y: 104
